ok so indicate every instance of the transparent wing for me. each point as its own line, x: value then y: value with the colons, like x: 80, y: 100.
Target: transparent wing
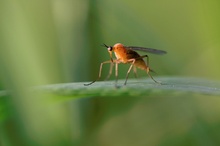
x: 149, y: 50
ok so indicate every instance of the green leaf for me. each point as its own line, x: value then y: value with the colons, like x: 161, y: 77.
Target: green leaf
x: 135, y: 87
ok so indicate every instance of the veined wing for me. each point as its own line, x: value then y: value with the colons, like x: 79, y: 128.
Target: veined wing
x: 149, y: 50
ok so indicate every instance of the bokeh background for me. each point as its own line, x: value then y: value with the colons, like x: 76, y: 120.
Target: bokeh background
x: 58, y: 41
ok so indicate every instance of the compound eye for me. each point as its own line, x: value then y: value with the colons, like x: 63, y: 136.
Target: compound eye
x: 109, y: 48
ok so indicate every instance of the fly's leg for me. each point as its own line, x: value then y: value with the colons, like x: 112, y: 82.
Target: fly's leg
x: 148, y: 69
x: 116, y: 73
x: 100, y: 72
x: 110, y: 71
x: 135, y: 72
x: 132, y: 63
x: 148, y: 72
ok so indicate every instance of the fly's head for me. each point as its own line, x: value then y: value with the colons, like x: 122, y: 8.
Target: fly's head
x: 110, y: 49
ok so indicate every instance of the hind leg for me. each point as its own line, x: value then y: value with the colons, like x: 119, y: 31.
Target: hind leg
x: 148, y: 69
x: 148, y: 72
x: 135, y: 71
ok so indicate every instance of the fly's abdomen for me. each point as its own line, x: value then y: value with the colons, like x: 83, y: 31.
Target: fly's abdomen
x: 140, y: 64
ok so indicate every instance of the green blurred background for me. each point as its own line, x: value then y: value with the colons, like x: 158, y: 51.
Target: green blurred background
x: 58, y: 41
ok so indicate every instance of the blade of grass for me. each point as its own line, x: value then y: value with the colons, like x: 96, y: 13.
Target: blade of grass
x: 134, y: 87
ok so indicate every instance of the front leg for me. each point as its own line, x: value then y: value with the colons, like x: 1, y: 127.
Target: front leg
x: 110, y: 71
x: 116, y: 70
x: 100, y: 72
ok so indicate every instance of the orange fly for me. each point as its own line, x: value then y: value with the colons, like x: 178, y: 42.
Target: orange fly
x: 128, y: 54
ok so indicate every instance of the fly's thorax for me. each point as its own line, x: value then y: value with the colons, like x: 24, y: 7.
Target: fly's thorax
x: 120, y: 57
x: 118, y: 45
x: 117, y: 55
x: 119, y: 48
x: 120, y: 53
